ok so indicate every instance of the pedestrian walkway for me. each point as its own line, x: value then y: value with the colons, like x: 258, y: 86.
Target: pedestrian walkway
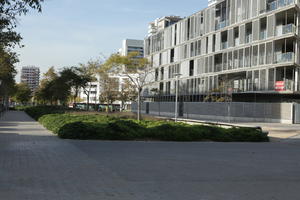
x: 36, y: 165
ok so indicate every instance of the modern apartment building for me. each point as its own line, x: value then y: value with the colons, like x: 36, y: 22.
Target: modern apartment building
x: 31, y: 76
x: 248, y: 49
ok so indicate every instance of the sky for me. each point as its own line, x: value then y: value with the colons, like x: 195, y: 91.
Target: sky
x: 68, y: 32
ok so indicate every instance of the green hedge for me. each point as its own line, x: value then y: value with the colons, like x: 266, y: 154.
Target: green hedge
x: 101, y: 127
x: 73, y: 126
x: 38, y: 111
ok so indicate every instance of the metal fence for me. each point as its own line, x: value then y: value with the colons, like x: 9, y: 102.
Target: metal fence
x: 223, y: 112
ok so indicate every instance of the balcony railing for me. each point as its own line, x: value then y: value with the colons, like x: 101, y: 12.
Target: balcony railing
x: 286, y: 29
x: 284, y: 57
x: 222, y: 24
x: 278, y: 4
x: 219, y: 67
x: 263, y: 35
x: 224, y: 45
x: 248, y: 38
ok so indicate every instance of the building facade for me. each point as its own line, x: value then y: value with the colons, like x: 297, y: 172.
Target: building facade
x: 249, y: 49
x: 31, y: 76
x: 130, y: 45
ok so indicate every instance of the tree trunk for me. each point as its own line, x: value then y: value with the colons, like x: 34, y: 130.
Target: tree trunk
x: 88, y: 102
x: 139, y: 106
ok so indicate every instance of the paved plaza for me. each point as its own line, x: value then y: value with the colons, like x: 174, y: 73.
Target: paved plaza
x: 36, y: 165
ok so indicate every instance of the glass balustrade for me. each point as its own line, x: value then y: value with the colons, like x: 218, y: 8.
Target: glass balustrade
x: 263, y: 35
x: 278, y: 4
x: 224, y: 45
x: 284, y: 57
x: 286, y: 29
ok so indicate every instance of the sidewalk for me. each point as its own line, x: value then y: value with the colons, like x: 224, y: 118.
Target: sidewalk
x: 37, y: 165
x: 277, y: 131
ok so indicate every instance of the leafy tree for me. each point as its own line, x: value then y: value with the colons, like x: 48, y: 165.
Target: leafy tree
x: 109, y: 89
x: 9, y: 11
x: 128, y: 92
x: 136, y: 69
x: 45, y: 93
x: 7, y: 74
x: 87, y: 73
x: 22, y: 94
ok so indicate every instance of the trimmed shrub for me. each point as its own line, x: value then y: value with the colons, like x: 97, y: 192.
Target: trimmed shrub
x: 101, y: 127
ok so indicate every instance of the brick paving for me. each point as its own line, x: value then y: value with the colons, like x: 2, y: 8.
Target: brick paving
x: 36, y: 165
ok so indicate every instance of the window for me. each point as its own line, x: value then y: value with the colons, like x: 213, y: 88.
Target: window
x: 192, y: 68
x: 162, y: 73
x: 172, y: 55
x: 160, y: 59
x: 156, y: 74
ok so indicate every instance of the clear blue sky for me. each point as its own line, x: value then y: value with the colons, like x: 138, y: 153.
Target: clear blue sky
x: 69, y: 32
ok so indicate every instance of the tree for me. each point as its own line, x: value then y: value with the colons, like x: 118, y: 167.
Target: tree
x: 87, y: 73
x: 109, y: 89
x: 128, y: 92
x: 7, y: 74
x: 136, y: 69
x: 22, y: 94
x: 45, y: 93
x: 9, y: 11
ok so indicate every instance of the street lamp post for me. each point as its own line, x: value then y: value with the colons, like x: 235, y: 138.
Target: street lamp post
x: 177, y: 75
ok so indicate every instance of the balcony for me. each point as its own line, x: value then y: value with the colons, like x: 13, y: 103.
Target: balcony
x: 278, y: 4
x: 284, y: 57
x: 286, y: 29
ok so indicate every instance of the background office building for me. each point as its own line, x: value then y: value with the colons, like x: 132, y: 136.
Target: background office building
x: 248, y: 49
x: 130, y: 45
x: 31, y: 76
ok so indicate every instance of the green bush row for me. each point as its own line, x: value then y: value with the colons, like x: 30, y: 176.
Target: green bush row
x: 38, y: 111
x: 100, y: 127
x: 83, y: 126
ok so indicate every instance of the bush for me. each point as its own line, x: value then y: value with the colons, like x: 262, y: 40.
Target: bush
x: 38, y: 111
x: 101, y: 127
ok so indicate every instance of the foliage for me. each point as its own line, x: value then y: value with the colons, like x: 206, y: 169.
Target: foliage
x: 39, y: 111
x: 22, y: 94
x: 9, y: 11
x: 7, y: 72
x: 136, y: 69
x: 55, y: 88
x: 78, y: 126
x: 109, y: 89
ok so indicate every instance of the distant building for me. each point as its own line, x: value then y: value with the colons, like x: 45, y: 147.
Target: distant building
x: 130, y: 45
x: 31, y: 76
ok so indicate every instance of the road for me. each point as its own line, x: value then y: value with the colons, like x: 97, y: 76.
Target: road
x: 36, y: 165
